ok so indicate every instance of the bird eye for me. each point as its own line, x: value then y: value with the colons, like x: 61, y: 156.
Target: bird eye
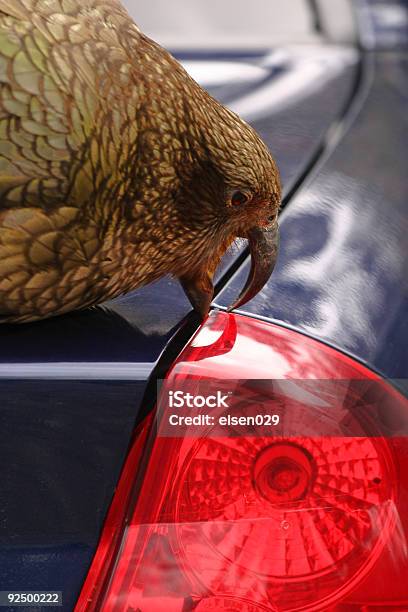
x: 239, y: 197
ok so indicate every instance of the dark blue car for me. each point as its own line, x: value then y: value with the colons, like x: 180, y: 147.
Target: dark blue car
x: 110, y: 497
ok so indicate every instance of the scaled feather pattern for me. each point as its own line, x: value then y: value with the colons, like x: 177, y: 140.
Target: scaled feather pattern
x: 116, y: 168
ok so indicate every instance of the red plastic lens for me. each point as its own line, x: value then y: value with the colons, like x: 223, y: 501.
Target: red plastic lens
x: 296, y: 512
x: 306, y: 514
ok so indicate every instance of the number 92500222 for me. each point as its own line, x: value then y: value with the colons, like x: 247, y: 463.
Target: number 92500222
x: 30, y: 598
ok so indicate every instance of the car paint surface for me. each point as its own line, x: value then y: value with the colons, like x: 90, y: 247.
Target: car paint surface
x: 71, y: 388
x: 342, y: 271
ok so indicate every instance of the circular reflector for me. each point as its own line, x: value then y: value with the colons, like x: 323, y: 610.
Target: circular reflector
x: 297, y: 519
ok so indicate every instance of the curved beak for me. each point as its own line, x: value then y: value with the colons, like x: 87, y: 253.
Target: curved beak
x: 264, y: 247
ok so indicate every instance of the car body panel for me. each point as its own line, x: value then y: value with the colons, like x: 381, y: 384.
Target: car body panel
x: 342, y: 275
x: 63, y: 442
x: 71, y: 388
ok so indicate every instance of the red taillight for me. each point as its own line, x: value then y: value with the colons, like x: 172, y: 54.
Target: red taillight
x: 307, y: 512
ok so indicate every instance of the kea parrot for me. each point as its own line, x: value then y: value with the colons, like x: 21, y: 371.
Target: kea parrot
x: 116, y: 167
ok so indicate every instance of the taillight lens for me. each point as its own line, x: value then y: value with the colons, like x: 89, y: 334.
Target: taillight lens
x: 306, y: 511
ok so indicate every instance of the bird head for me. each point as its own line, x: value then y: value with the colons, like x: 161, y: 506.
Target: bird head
x: 234, y: 192
x: 205, y: 176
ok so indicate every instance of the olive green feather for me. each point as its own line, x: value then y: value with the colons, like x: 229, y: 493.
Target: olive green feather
x: 104, y: 144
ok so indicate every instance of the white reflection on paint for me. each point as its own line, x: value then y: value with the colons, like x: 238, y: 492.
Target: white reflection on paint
x: 310, y: 69
x: 213, y: 73
x: 339, y: 268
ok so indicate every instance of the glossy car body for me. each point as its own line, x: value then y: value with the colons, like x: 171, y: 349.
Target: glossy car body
x: 73, y: 388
